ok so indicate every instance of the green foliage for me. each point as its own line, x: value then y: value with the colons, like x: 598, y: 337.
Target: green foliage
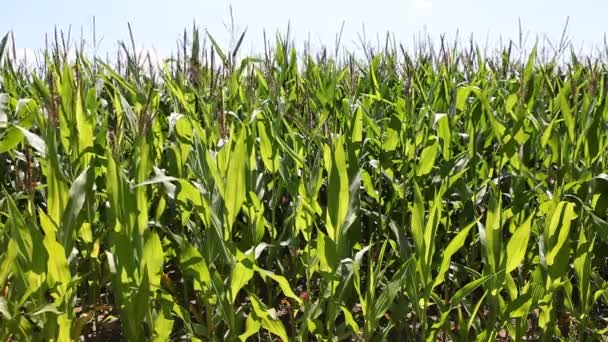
x: 440, y: 194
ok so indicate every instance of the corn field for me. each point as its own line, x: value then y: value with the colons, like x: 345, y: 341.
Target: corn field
x: 440, y: 193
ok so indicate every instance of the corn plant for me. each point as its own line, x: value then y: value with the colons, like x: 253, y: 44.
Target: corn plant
x: 434, y: 193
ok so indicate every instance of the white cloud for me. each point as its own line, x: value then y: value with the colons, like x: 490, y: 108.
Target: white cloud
x: 33, y: 57
x: 422, y: 4
x: 23, y: 56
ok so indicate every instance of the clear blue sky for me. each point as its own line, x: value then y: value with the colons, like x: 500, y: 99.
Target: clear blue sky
x: 159, y: 24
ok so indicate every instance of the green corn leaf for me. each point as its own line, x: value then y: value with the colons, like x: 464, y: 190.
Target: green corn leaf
x: 469, y: 288
x: 48, y: 308
x: 544, y: 140
x: 241, y: 275
x: 391, y: 140
x: 520, y: 307
x: 32, y: 256
x: 498, y: 128
x: 152, y: 259
x: 82, y: 186
x: 366, y: 179
x: 193, y: 265
x: 34, y: 140
x: 218, y: 50
x: 252, y: 326
x: 282, y: 281
x: 566, y: 111
x: 427, y: 160
x: 338, y: 190
x: 57, y: 264
x: 357, y: 126
x: 236, y: 179
x: 57, y: 187
x: 85, y: 127
x: 327, y: 252
x: 582, y: 269
x: 385, y: 299
x: 529, y: 68
x: 430, y: 231
x: 11, y: 138
x: 442, y: 121
x: 462, y: 97
x: 7, y: 261
x: 269, y: 318
x: 492, y: 233
x: 47, y: 225
x: 558, y: 236
x: 268, y: 152
x: 143, y: 169
x: 417, y: 223
x: 163, y: 326
x: 349, y: 320
x: 518, y: 244
x: 453, y: 247
x: 188, y: 193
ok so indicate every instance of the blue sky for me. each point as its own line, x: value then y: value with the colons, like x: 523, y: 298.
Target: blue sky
x: 159, y: 24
